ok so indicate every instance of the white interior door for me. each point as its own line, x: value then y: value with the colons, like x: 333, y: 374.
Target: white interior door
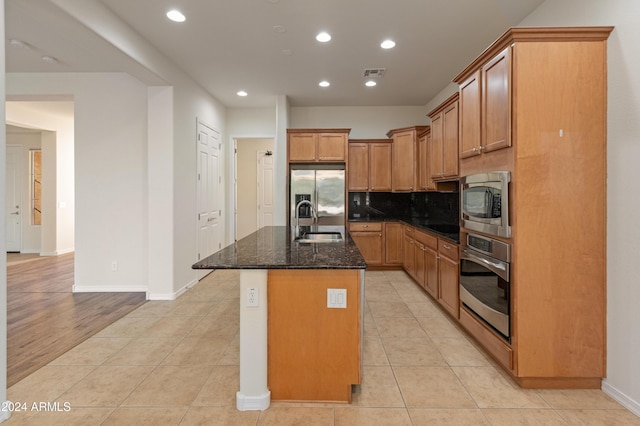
x: 209, y: 191
x: 13, y: 199
x: 265, y: 189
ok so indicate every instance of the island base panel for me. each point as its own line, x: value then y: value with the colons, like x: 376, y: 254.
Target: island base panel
x: 314, y: 351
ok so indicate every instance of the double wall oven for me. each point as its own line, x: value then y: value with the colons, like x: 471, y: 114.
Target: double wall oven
x: 485, y: 289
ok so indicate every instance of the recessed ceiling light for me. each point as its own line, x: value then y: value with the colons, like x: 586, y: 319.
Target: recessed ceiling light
x: 324, y: 83
x: 176, y: 16
x: 49, y: 59
x: 242, y: 93
x: 287, y: 52
x: 388, y: 44
x: 323, y: 37
x: 279, y: 29
x: 19, y: 44
x: 370, y: 83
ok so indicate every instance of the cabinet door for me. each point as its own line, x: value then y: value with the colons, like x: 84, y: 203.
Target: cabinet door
x: 420, y: 265
x: 332, y: 146
x: 435, y: 147
x: 358, y: 179
x: 449, y: 293
x: 431, y: 271
x: 408, y: 255
x: 404, y: 159
x: 496, y: 102
x: 424, y: 178
x: 393, y: 240
x: 469, y: 104
x: 380, y: 167
x: 450, y: 141
x: 370, y: 245
x: 302, y: 147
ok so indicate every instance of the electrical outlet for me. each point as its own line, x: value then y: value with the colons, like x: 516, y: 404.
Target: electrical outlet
x: 114, y: 265
x: 253, y: 299
x: 337, y: 298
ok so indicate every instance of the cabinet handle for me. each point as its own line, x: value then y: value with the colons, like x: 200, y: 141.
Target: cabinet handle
x: 482, y: 148
x: 474, y: 149
x: 365, y: 226
x: 446, y: 246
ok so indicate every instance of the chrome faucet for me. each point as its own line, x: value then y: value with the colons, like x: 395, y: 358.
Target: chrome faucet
x: 297, y: 215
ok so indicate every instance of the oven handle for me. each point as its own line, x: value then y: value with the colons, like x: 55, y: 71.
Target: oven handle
x: 500, y: 268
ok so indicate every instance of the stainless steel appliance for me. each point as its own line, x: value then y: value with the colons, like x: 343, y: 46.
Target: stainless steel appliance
x: 324, y: 187
x: 484, y: 203
x: 484, y: 282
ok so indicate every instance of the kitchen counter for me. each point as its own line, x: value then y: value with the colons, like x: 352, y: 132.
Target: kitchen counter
x: 450, y: 232
x: 273, y: 247
x: 301, y: 315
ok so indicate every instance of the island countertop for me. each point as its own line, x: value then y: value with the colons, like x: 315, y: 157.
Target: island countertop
x: 273, y: 247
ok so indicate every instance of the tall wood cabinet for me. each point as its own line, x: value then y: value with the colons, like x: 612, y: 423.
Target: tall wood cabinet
x: 534, y: 103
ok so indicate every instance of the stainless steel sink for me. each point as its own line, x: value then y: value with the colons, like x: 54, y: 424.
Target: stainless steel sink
x: 320, y: 237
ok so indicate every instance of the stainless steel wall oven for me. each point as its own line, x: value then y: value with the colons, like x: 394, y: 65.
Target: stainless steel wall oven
x: 484, y: 282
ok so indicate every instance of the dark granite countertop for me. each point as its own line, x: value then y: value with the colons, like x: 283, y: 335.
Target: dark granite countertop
x: 450, y: 232
x: 273, y: 247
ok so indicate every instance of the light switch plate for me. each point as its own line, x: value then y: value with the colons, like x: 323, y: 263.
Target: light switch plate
x: 337, y: 298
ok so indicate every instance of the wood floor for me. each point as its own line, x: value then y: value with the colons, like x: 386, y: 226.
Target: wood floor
x: 45, y: 319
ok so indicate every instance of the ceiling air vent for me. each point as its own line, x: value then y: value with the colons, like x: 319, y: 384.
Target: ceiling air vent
x: 373, y: 72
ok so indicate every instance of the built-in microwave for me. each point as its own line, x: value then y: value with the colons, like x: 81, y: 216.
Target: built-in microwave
x: 484, y: 203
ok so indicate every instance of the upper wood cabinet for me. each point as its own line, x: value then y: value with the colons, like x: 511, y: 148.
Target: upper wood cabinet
x: 443, y: 152
x: 315, y: 145
x: 485, y: 107
x: 425, y: 182
x: 404, y: 170
x: 369, y: 165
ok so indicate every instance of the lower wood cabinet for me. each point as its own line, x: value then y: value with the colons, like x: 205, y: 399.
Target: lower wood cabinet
x: 448, y: 273
x: 393, y: 240
x: 408, y: 252
x: 368, y: 236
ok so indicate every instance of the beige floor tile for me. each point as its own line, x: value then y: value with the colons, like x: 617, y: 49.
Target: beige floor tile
x: 419, y: 351
x: 439, y: 325
x: 48, y: 383
x: 154, y: 308
x: 169, y: 386
x: 191, y: 309
x: 362, y: 416
x: 370, y: 325
x: 231, y: 355
x: 76, y: 416
x: 458, y: 351
x: 93, y: 351
x: 432, y: 387
x: 491, y: 389
x: 399, y: 327
x: 172, y: 326
x: 156, y: 416
x: 129, y: 326
x: 599, y: 417
x: 389, y: 309
x: 378, y: 389
x: 278, y: 416
x: 228, y: 416
x: 447, y: 417
x: 568, y: 399
x: 412, y: 294
x: 523, y: 416
x: 423, y: 309
x: 227, y: 325
x: 373, y: 353
x: 382, y: 294
x: 106, y: 386
x: 198, y: 351
x: 144, y: 351
x: 220, y: 390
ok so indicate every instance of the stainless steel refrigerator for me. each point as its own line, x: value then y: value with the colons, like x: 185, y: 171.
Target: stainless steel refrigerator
x: 324, y: 187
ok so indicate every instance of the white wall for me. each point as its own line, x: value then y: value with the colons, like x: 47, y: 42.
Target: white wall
x: 364, y: 122
x: 3, y: 242
x: 623, y: 152
x: 57, y: 142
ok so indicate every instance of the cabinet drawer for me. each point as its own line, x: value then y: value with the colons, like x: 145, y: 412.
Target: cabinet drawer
x: 428, y: 240
x: 493, y: 344
x: 365, y: 226
x: 448, y: 249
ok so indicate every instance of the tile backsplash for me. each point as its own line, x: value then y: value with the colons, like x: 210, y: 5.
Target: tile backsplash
x: 439, y: 207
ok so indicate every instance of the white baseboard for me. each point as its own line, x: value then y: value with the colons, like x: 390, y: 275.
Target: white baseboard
x: 253, y: 403
x: 5, y: 414
x: 57, y: 252
x: 171, y: 296
x: 108, y: 289
x: 622, y: 398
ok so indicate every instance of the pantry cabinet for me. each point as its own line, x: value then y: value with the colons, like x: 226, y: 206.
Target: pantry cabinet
x: 317, y: 145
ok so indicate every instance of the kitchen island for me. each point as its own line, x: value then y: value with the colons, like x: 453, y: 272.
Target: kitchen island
x: 301, y: 314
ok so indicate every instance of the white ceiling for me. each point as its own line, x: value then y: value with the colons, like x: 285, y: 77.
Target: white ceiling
x: 228, y: 45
